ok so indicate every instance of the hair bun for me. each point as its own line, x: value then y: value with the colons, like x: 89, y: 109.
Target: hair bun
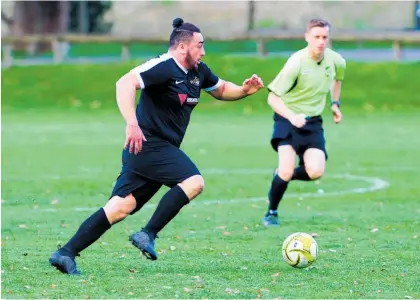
x: 177, y: 22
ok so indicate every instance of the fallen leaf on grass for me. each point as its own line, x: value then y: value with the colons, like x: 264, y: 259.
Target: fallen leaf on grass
x: 54, y: 202
x: 226, y: 233
x: 315, y: 235
x: 52, y: 286
x: 172, y: 248
x: 408, y: 297
x: 27, y: 286
x: 332, y: 250
x: 275, y: 275
x: 232, y: 291
x: 166, y: 287
x: 375, y: 230
x: 221, y: 227
x: 23, y: 226
x: 188, y: 290
x: 245, y: 227
x: 132, y: 271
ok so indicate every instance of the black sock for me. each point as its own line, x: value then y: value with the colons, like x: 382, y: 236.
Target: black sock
x: 300, y: 174
x: 278, y: 187
x: 169, y: 206
x: 90, y: 230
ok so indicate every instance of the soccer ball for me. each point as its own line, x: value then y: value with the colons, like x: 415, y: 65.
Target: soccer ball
x: 300, y: 250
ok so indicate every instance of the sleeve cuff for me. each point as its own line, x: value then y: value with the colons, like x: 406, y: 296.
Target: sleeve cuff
x: 219, y: 83
x: 139, y: 79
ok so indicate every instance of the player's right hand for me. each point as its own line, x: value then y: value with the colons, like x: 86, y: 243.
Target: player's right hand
x: 134, y: 138
x: 298, y: 120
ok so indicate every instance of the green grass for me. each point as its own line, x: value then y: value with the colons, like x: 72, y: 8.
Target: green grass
x: 59, y: 162
x: 367, y: 87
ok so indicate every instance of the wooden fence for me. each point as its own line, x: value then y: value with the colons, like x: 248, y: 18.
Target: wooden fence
x: 397, y: 38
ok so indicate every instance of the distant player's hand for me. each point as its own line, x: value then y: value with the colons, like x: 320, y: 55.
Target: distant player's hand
x: 252, y: 85
x: 298, y: 120
x: 337, y: 116
x: 134, y: 138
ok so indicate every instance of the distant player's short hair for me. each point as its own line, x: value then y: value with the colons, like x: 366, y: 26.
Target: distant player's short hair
x: 182, y: 32
x: 317, y: 23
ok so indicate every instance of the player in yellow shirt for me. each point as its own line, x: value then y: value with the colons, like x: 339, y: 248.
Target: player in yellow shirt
x: 298, y: 97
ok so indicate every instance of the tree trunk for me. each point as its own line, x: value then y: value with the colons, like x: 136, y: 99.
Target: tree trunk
x: 39, y: 17
x: 251, y: 15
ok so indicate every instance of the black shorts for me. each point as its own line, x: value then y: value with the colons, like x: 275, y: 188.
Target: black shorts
x: 159, y: 163
x: 309, y: 136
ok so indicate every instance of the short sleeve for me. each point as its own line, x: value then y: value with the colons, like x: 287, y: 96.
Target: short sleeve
x: 152, y: 72
x: 340, y: 67
x: 286, y: 79
x: 211, y: 81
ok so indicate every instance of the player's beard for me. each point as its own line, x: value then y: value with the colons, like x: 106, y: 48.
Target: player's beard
x: 190, y: 61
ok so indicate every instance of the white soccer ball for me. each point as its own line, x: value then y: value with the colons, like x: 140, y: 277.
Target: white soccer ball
x: 300, y: 250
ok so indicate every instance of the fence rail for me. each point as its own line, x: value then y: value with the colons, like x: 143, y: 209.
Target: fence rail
x: 397, y: 38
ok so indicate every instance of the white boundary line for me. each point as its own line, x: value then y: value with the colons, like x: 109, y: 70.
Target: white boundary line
x: 375, y: 185
x: 92, y: 173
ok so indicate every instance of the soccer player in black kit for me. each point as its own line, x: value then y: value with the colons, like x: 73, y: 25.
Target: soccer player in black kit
x: 171, y: 85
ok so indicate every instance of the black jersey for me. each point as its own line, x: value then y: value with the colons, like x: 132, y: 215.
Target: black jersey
x: 169, y: 94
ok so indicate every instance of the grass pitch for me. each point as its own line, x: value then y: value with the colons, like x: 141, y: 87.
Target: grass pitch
x: 59, y: 162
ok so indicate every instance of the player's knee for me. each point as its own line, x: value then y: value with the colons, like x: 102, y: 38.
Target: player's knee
x: 314, y: 172
x: 193, y: 186
x: 119, y: 208
x: 285, y: 173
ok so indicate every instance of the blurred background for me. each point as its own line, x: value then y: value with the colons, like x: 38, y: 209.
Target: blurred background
x: 71, y: 30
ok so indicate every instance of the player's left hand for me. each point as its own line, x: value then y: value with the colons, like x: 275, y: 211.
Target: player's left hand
x: 337, y: 116
x: 252, y: 85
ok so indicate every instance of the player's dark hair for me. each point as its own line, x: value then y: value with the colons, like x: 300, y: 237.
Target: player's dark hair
x: 182, y: 32
x: 318, y: 23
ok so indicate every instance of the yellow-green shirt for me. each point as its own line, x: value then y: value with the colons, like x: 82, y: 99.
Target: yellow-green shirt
x: 303, y: 84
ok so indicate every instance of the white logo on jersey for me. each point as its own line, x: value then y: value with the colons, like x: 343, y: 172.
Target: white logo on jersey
x: 195, y: 81
x: 178, y: 82
x: 193, y: 100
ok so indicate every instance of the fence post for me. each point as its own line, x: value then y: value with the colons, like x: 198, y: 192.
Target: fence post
x: 57, y: 51
x: 8, y: 56
x: 396, y: 46
x: 262, y: 51
x: 125, y: 52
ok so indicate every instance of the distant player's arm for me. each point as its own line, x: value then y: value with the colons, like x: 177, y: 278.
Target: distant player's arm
x: 340, y: 66
x: 280, y: 86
